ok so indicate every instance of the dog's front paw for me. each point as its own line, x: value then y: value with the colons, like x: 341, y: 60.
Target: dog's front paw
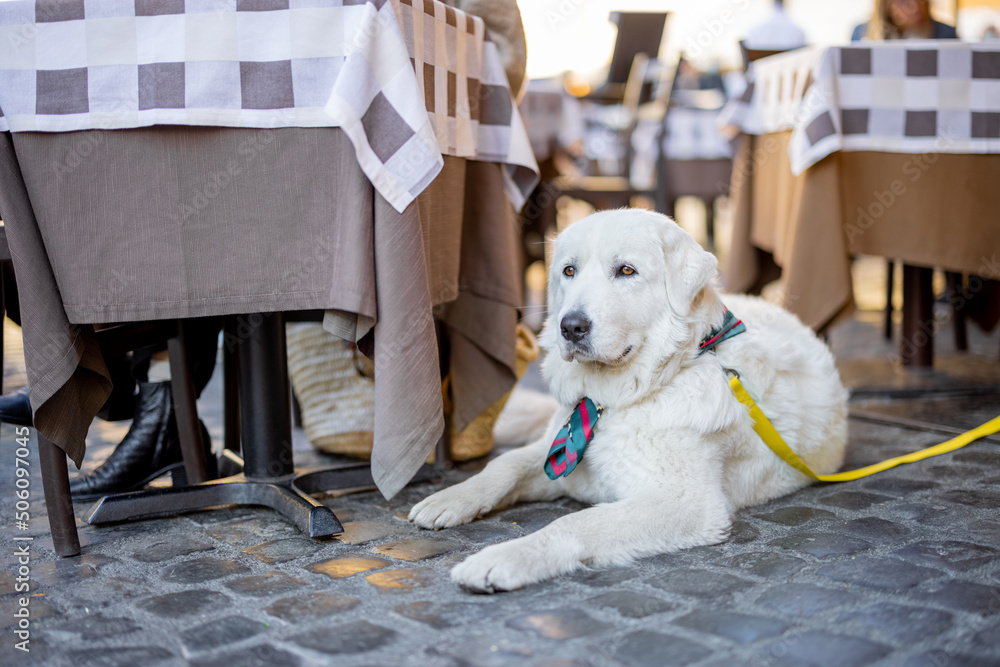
x: 504, y: 567
x: 449, y: 507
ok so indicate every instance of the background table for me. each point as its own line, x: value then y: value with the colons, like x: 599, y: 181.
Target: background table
x: 277, y: 211
x: 888, y: 149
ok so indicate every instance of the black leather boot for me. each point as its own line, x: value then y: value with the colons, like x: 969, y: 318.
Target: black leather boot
x: 15, y: 408
x: 149, y: 450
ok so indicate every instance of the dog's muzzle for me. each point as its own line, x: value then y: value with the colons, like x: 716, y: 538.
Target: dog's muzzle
x: 575, y: 326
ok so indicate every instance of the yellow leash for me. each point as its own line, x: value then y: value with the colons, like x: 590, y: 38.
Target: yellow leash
x: 773, y: 439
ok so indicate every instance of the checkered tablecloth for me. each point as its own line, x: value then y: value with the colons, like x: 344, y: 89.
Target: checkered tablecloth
x: 899, y: 96
x: 407, y: 80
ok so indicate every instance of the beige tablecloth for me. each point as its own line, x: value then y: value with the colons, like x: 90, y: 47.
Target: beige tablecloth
x: 167, y: 222
x: 933, y: 210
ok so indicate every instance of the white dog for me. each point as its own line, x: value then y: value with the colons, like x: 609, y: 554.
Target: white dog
x: 673, y: 454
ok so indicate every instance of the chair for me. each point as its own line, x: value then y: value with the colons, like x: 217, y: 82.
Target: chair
x: 750, y: 55
x: 639, y: 33
x: 603, y: 192
x: 117, y: 339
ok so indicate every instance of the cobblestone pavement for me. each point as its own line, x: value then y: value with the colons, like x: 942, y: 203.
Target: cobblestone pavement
x: 897, y: 569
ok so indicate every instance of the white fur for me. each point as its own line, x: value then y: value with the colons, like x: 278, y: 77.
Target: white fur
x: 675, y: 454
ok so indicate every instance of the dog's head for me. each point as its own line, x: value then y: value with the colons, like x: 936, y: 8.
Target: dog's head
x: 620, y: 282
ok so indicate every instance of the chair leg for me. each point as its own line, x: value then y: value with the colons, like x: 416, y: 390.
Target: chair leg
x: 58, y: 502
x: 186, y: 409
x: 230, y: 393
x: 890, y: 268
x: 956, y: 294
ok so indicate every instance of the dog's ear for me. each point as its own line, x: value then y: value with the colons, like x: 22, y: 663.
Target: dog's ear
x: 690, y: 268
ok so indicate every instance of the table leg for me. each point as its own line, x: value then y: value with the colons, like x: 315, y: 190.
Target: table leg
x: 269, y: 474
x: 917, y: 344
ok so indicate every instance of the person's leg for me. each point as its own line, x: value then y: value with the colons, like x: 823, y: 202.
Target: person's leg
x: 151, y: 447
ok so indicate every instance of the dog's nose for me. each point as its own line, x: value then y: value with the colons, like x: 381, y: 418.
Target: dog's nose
x: 575, y: 326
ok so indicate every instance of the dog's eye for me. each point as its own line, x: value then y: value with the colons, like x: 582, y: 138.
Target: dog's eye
x: 569, y: 271
x: 626, y: 270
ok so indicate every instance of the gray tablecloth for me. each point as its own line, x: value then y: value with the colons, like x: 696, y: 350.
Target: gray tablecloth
x: 167, y: 222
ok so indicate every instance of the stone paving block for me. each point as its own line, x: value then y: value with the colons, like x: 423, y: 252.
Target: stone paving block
x: 483, y: 532
x: 854, y: 500
x: 804, y: 599
x: 897, y: 623
x: 417, y: 548
x: 443, y: 616
x: 602, y: 578
x: 647, y: 648
x: 979, y: 498
x: 214, y: 517
x: 68, y: 571
x: 112, y: 589
x: 822, y: 545
x: 988, y: 639
x: 740, y: 628
x: 119, y: 657
x: 874, y: 529
x: 632, y: 604
x: 481, y: 650
x: 952, y: 554
x: 933, y: 512
x: 200, y: 570
x: 963, y: 596
x: 883, y: 573
x: 359, y: 532
x: 987, y: 532
x: 219, y: 632
x: 37, y: 607
x: 699, y: 583
x: 266, y: 584
x: 530, y: 518
x: 261, y: 655
x: 898, y: 486
x: 94, y: 626
x: 743, y: 532
x: 953, y: 473
x: 338, y: 568
x: 559, y: 624
x: 822, y: 649
x: 988, y: 459
x: 401, y: 580
x: 294, y: 609
x: 766, y: 564
x: 936, y: 657
x: 796, y: 516
x: 353, y: 637
x: 162, y: 551
x: 185, y: 603
x: 280, y: 551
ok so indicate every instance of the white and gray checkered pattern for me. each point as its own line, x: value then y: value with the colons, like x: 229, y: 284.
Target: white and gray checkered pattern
x: 407, y: 80
x: 898, y: 96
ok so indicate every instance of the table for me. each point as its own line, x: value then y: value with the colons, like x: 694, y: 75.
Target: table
x: 888, y: 149
x: 283, y: 170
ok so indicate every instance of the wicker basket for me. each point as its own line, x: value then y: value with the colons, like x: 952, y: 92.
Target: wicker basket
x: 335, y: 388
x: 336, y: 392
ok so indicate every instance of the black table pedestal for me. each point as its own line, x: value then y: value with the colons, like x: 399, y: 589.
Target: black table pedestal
x: 268, y: 476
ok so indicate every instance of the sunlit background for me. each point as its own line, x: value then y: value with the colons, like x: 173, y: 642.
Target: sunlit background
x: 575, y: 36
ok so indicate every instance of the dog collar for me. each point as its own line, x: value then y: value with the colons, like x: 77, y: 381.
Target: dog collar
x: 572, y: 440
x: 731, y: 326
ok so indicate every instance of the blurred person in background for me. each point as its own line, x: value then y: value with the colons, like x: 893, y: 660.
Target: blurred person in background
x: 778, y: 32
x: 903, y: 19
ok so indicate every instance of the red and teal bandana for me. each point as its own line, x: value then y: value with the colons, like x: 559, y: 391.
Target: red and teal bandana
x: 731, y: 326
x: 568, y: 447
